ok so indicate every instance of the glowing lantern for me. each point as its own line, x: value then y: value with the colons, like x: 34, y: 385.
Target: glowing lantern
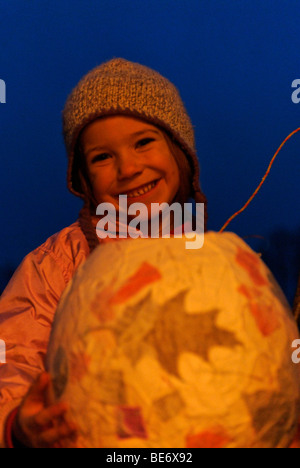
x: 155, y: 345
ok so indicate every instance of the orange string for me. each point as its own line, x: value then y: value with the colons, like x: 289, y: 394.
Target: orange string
x: 260, y: 185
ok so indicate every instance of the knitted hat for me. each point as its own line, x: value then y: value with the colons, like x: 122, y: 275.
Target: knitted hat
x: 123, y: 87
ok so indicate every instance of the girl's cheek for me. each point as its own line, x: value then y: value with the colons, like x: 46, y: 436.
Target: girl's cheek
x: 96, y: 186
x: 175, y: 176
x: 96, y: 180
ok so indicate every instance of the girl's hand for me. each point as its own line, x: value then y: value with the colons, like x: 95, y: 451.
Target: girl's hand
x: 40, y: 423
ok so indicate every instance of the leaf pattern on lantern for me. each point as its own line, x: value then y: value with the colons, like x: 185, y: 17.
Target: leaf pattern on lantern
x: 170, y: 332
x: 215, y: 437
x: 131, y: 423
x: 167, y: 407
x: 261, y: 406
x: 101, y: 305
x: 252, y: 264
x: 79, y: 365
x: 263, y: 310
x: 144, y: 276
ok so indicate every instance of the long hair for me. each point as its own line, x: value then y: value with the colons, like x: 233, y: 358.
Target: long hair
x: 184, y: 193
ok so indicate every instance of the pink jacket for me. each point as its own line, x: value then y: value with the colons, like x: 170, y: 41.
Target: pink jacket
x: 27, y: 309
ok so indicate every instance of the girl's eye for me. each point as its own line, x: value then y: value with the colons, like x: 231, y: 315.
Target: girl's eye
x: 100, y: 157
x: 144, y: 142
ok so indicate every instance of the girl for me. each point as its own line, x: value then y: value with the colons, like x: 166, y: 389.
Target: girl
x: 126, y: 132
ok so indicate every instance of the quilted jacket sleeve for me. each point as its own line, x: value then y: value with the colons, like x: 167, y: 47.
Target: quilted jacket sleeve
x: 27, y: 309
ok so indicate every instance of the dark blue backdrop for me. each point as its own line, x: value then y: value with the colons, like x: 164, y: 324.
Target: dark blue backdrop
x: 234, y: 62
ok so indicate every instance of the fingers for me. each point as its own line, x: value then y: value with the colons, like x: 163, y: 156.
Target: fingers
x: 58, y: 437
x: 52, y: 428
x: 46, y: 417
x: 49, y: 428
x: 36, y: 398
x: 38, y: 389
x: 41, y: 422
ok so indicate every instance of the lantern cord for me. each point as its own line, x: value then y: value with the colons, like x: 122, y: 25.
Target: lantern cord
x: 263, y: 180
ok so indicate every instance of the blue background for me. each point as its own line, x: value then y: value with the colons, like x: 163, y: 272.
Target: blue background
x: 233, y: 61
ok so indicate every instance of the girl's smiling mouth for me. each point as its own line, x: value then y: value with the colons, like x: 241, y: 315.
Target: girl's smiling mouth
x: 141, y: 190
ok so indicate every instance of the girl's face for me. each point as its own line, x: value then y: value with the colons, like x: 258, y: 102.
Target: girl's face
x: 124, y: 155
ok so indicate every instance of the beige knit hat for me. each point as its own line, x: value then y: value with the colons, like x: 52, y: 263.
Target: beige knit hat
x: 123, y: 87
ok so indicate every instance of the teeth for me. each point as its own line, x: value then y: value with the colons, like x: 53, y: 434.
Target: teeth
x: 141, y: 191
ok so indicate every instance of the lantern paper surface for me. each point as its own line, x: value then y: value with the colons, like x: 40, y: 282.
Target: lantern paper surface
x: 155, y: 345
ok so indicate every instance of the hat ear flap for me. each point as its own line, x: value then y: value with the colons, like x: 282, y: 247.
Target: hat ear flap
x: 87, y: 226
x: 80, y: 177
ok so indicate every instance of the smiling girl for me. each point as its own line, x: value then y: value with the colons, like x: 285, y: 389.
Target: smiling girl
x: 126, y: 132
x: 126, y: 156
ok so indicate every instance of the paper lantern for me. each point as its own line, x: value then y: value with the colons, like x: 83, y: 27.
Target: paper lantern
x: 156, y: 345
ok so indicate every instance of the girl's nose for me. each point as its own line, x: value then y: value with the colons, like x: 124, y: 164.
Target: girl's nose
x: 129, y: 165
